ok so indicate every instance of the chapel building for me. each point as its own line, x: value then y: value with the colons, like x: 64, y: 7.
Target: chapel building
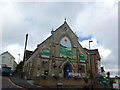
x: 61, y: 55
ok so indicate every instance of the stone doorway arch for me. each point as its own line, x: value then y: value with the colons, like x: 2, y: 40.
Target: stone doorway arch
x: 67, y: 68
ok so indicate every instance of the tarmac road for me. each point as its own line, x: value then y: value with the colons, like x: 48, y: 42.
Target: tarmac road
x: 8, y: 84
x: 0, y: 82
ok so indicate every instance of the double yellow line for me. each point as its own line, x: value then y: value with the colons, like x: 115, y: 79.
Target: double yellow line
x: 16, y: 84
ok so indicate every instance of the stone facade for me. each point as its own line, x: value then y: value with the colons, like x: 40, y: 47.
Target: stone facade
x: 59, y: 55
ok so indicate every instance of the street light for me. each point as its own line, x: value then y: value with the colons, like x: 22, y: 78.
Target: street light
x: 89, y: 43
x: 90, y: 65
x: 19, y: 58
x: 91, y: 71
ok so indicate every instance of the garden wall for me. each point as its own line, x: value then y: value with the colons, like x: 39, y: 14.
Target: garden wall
x: 67, y: 82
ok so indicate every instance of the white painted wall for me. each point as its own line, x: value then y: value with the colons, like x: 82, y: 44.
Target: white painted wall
x: 8, y: 59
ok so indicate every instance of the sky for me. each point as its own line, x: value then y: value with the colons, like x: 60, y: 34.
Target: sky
x: 96, y: 21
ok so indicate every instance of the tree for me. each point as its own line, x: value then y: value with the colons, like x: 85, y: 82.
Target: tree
x: 108, y: 75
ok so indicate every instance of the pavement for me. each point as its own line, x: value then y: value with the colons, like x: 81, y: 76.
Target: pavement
x: 23, y: 83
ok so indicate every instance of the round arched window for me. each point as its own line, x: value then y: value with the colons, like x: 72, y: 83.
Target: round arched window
x: 45, y: 53
x: 82, y: 58
x: 65, y: 47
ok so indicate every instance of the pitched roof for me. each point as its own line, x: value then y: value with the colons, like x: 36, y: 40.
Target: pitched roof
x: 28, y: 53
x: 15, y: 62
x: 49, y: 38
x: 92, y: 51
x: 63, y: 25
x: 28, y: 56
x: 5, y: 53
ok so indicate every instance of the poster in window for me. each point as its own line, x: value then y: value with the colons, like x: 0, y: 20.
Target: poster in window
x: 65, y: 47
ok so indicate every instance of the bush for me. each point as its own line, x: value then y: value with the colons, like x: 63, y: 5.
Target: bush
x: 44, y: 76
x: 86, y: 79
x: 76, y: 78
x: 56, y: 76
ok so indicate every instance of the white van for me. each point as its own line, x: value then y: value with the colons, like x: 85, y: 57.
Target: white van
x: 116, y: 86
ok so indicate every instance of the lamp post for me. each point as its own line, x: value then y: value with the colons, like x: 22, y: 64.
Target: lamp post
x: 91, y: 74
x: 90, y: 65
x: 18, y: 65
x: 89, y: 43
x: 19, y: 58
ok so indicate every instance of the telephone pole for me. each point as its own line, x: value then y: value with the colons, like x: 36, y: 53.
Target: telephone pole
x: 25, y: 48
x: 24, y: 57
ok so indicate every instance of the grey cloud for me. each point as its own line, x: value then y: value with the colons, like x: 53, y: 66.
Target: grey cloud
x: 38, y: 19
x: 101, y: 22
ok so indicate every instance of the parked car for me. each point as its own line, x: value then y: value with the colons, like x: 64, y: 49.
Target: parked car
x: 7, y: 72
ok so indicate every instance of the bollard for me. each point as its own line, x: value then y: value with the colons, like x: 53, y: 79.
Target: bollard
x: 59, y: 86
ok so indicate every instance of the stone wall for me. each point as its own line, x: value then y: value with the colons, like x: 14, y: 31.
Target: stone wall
x: 67, y: 82
x: 36, y: 64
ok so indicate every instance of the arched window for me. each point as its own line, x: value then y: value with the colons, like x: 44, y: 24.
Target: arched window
x: 82, y: 68
x: 65, y: 47
x: 45, y: 53
x: 82, y: 58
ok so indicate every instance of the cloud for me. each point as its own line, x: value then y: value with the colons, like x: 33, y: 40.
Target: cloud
x: 104, y: 52
x: 108, y: 61
x: 38, y: 18
x: 14, y: 50
x: 100, y: 20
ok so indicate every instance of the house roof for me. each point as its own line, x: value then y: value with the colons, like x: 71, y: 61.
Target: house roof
x: 92, y: 51
x: 63, y: 25
x: 32, y: 52
x: 47, y: 39
x: 28, y: 54
x: 6, y: 53
x: 15, y: 62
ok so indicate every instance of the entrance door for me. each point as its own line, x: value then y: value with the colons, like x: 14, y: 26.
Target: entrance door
x: 66, y: 70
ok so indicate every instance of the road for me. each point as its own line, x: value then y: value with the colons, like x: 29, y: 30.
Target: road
x: 7, y: 83
x: 0, y: 82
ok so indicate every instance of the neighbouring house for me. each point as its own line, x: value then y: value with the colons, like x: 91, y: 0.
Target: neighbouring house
x: 61, y: 55
x: 8, y: 60
x: 93, y: 60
